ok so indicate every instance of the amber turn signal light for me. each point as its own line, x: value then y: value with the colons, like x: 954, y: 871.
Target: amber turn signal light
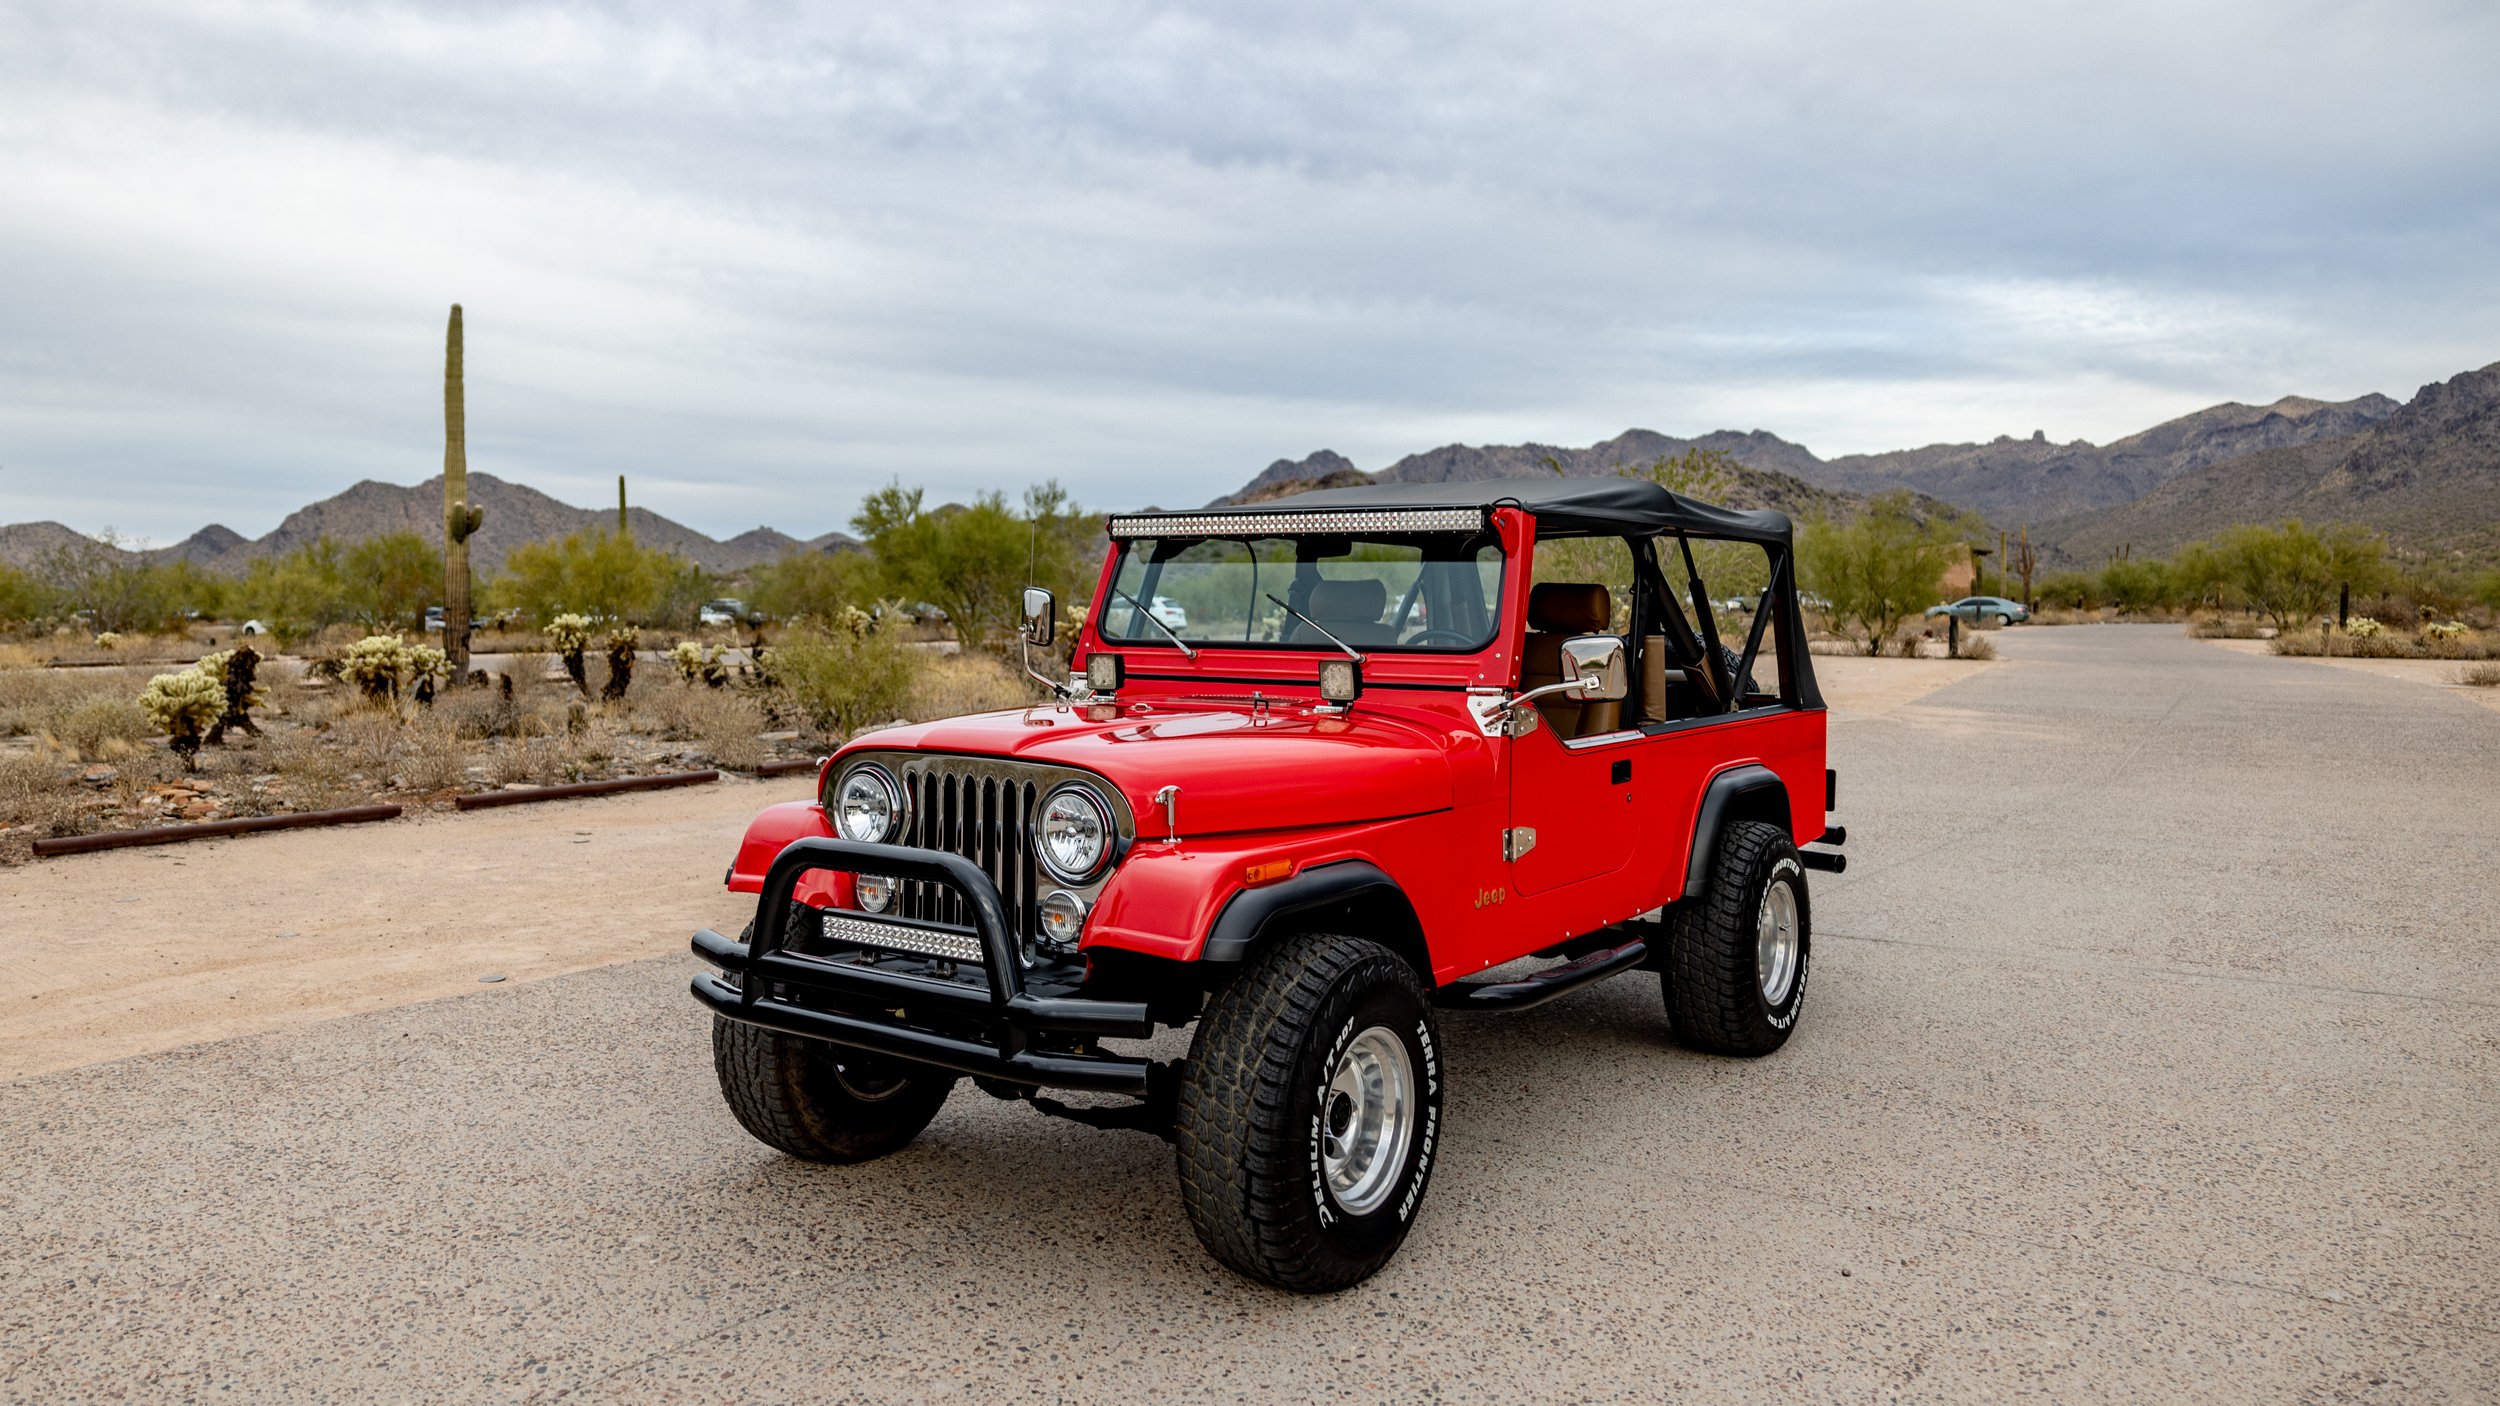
x: 1267, y: 873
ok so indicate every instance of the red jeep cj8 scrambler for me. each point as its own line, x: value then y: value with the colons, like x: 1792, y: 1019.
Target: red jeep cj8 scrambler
x: 1323, y: 763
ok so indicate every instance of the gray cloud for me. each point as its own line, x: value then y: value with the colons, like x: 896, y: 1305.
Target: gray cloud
x: 761, y: 263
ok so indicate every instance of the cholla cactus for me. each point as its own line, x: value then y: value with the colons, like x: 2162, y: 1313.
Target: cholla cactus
x: 621, y: 644
x: 235, y: 671
x: 108, y: 640
x: 570, y: 634
x: 2361, y: 627
x: 378, y: 664
x: 855, y: 622
x: 688, y: 657
x: 2444, y: 630
x: 184, y: 705
x: 427, y: 666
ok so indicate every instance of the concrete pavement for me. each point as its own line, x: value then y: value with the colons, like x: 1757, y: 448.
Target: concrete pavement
x: 2149, y: 1056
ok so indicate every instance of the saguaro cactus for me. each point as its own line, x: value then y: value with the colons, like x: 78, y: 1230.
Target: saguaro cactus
x: 621, y: 528
x: 460, y: 520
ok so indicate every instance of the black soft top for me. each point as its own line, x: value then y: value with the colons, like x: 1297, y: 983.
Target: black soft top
x: 1562, y: 507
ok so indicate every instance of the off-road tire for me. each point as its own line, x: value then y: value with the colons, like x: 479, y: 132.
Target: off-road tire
x: 820, y: 1101
x: 1710, y: 977
x: 1247, y: 1131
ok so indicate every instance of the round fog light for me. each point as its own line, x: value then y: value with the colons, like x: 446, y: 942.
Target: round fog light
x: 1063, y: 918
x: 875, y: 891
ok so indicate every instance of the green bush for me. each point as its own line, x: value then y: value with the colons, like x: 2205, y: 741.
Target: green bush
x: 1880, y: 570
x: 604, y: 575
x: 849, y: 678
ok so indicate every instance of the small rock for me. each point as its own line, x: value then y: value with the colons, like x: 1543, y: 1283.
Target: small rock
x: 198, y: 810
x: 492, y: 976
x: 100, y: 775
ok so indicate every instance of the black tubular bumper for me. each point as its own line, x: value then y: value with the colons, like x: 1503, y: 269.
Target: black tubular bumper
x: 1004, y: 1033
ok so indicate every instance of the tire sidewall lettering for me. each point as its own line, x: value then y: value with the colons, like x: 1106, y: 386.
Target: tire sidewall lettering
x: 1425, y: 1049
x: 1787, y: 869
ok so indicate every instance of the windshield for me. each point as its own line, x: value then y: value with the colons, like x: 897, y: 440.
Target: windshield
x: 1427, y: 591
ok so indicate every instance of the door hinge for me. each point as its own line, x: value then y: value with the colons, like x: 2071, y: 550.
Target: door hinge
x: 1517, y: 841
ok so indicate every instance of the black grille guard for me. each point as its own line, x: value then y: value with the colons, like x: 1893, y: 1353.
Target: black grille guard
x: 1007, y: 1016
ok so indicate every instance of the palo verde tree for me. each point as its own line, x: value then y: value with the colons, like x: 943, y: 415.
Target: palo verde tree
x: 971, y: 561
x: 387, y: 581
x: 1880, y: 570
x: 2292, y: 574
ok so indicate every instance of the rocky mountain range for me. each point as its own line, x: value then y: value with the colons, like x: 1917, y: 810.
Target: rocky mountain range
x: 515, y: 514
x: 2427, y: 472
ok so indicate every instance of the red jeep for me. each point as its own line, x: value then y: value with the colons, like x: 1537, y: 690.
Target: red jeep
x: 1322, y: 764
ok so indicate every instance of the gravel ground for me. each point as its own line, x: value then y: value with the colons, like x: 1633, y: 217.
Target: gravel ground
x: 2150, y: 1055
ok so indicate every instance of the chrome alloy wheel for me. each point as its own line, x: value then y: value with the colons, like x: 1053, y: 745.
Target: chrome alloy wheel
x: 1367, y: 1118
x: 1775, y: 941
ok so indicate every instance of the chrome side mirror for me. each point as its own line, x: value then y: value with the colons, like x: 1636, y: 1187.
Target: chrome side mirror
x: 1598, y: 675
x: 1595, y: 663
x: 1041, y: 616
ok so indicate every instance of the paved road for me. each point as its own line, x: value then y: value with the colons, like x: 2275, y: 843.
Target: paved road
x: 2150, y: 1055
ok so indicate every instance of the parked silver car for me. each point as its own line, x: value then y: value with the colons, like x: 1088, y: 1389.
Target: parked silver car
x: 1978, y: 608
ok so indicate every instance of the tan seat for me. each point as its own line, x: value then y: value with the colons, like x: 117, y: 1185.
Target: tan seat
x: 1557, y: 611
x: 1350, y: 610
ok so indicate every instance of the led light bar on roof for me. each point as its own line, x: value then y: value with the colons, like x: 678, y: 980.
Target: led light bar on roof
x: 1294, y: 524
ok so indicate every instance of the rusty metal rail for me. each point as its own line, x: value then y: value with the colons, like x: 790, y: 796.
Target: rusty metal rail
x: 211, y: 829
x: 485, y: 799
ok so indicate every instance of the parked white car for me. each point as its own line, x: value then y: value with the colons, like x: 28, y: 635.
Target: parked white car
x: 1169, y: 611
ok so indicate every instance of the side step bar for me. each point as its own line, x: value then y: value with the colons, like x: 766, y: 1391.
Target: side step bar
x: 1538, y: 987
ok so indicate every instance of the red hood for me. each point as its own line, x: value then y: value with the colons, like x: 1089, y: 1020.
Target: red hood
x: 1289, y: 768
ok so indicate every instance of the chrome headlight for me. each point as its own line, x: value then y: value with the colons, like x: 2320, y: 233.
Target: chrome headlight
x: 867, y: 804
x: 1074, y: 837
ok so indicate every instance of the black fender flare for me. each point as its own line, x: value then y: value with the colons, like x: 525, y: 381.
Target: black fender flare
x: 1252, y: 913
x: 1738, y: 793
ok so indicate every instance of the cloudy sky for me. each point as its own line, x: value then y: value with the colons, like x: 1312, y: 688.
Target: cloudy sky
x: 765, y: 260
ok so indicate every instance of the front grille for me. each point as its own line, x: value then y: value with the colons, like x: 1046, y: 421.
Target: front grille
x: 981, y: 812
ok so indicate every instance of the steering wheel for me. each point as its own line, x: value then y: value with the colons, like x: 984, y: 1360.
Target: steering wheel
x: 1446, y: 636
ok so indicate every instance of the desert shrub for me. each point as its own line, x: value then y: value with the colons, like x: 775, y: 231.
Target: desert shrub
x: 847, y: 678
x: 36, y: 790
x: 314, y: 768
x: 2231, y: 627
x: 99, y: 728
x: 490, y: 712
x: 430, y: 755
x: 184, y: 706
x: 2479, y: 676
x: 1977, y: 646
x: 726, y: 724
x: 953, y: 685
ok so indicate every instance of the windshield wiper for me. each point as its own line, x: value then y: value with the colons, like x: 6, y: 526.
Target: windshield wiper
x: 1177, y: 642
x: 1350, y: 652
